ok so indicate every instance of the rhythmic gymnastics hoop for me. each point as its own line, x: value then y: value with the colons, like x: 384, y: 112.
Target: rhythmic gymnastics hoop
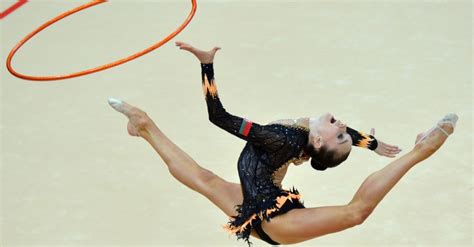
x: 96, y: 69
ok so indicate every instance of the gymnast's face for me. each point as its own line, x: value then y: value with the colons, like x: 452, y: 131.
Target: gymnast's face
x: 327, y: 131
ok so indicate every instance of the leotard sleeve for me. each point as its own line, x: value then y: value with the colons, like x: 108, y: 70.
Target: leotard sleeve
x: 267, y: 136
x: 362, y: 140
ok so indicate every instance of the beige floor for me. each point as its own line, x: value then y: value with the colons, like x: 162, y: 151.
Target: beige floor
x: 72, y: 177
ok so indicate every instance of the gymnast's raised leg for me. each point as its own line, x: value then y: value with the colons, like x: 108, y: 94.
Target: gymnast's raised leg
x: 303, y: 224
x: 223, y: 194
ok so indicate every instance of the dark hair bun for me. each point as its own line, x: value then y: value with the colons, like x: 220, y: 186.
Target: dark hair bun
x: 318, y: 165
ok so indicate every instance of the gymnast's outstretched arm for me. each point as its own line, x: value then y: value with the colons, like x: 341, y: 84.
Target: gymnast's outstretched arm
x: 359, y: 138
x: 265, y: 135
x: 363, y: 140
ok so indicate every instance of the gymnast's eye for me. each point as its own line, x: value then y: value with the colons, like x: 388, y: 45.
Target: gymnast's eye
x: 340, y: 136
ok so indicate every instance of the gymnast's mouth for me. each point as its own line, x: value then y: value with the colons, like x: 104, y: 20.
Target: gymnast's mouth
x: 333, y: 120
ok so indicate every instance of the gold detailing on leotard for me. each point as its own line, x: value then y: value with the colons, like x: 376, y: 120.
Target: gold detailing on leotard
x: 280, y: 201
x: 365, y: 142
x: 209, y: 87
x: 294, y: 126
x: 298, y: 127
x: 279, y: 174
x: 241, y: 228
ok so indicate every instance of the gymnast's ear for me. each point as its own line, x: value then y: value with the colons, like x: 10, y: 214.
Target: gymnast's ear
x: 316, y: 141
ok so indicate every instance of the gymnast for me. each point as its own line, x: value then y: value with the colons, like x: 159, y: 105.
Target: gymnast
x: 259, y: 206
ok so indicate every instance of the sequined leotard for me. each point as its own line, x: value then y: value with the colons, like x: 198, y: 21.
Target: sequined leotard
x: 268, y: 148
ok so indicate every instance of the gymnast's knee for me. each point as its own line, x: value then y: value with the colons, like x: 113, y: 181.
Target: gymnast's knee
x: 358, y: 213
x: 206, y: 180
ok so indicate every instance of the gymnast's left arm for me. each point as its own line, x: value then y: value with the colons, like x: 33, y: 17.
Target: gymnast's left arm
x: 268, y: 137
x: 363, y: 140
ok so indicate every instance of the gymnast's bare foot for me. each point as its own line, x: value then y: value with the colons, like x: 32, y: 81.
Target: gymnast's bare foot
x: 138, y: 119
x: 430, y: 141
x: 203, y: 56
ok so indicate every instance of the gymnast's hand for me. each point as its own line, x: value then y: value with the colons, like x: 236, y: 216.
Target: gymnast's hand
x: 203, y: 56
x: 384, y: 149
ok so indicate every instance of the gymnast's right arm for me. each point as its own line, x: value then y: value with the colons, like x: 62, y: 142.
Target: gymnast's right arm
x: 265, y: 136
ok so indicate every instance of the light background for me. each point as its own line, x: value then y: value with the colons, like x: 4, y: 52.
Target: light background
x: 72, y: 177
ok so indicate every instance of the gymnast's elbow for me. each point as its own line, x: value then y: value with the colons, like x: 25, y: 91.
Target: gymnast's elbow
x: 217, y: 117
x: 214, y: 119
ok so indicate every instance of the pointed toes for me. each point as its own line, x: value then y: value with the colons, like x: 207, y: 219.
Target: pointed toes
x: 116, y: 104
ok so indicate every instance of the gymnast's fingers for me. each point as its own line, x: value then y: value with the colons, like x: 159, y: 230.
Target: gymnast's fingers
x: 392, y: 149
x: 372, y: 132
x: 384, y: 151
x: 389, y: 153
x: 183, y: 46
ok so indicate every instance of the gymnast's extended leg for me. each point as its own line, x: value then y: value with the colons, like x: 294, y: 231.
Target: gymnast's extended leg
x: 223, y: 194
x: 302, y: 224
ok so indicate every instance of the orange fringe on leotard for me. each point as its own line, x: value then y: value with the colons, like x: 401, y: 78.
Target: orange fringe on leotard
x: 280, y: 202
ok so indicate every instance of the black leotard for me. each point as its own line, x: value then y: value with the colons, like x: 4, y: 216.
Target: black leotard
x: 268, y: 148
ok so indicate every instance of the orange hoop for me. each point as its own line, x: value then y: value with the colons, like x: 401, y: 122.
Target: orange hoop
x: 93, y: 70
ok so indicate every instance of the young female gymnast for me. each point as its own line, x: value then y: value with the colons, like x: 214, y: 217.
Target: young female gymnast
x: 265, y: 159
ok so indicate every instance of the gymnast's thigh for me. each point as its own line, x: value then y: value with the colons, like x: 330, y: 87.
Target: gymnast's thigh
x: 303, y: 224
x: 225, y: 195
